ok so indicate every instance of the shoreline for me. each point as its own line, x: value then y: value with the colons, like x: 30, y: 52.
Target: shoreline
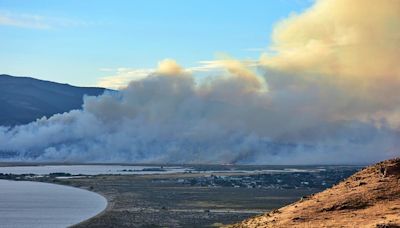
x: 105, y: 210
x: 86, y: 204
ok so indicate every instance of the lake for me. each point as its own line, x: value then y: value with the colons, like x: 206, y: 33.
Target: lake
x: 34, y: 204
x: 90, y: 169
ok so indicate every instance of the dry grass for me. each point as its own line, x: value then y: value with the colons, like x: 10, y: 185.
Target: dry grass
x: 369, y: 198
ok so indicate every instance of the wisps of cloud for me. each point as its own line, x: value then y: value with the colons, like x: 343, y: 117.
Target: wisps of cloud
x: 32, y: 21
x: 121, y: 77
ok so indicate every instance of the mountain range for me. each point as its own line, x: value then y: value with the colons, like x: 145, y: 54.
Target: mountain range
x: 25, y: 99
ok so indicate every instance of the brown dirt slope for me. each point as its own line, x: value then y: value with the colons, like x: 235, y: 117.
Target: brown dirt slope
x: 369, y: 198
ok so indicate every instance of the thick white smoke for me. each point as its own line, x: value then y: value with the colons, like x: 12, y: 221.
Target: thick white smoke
x: 328, y: 95
x: 234, y: 117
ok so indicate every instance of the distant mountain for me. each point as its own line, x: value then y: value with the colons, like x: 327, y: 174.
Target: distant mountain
x: 24, y: 99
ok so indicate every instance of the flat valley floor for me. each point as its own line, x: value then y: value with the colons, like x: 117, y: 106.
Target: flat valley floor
x: 155, y: 201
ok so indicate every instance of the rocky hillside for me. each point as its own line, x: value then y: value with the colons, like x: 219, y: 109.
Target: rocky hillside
x: 24, y: 99
x: 369, y: 198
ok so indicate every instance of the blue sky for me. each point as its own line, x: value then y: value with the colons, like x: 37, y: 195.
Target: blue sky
x: 71, y: 41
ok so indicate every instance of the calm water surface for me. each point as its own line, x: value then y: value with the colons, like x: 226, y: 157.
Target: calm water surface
x: 33, y: 204
x: 90, y: 169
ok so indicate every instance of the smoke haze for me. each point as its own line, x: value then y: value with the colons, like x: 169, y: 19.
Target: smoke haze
x: 328, y: 94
